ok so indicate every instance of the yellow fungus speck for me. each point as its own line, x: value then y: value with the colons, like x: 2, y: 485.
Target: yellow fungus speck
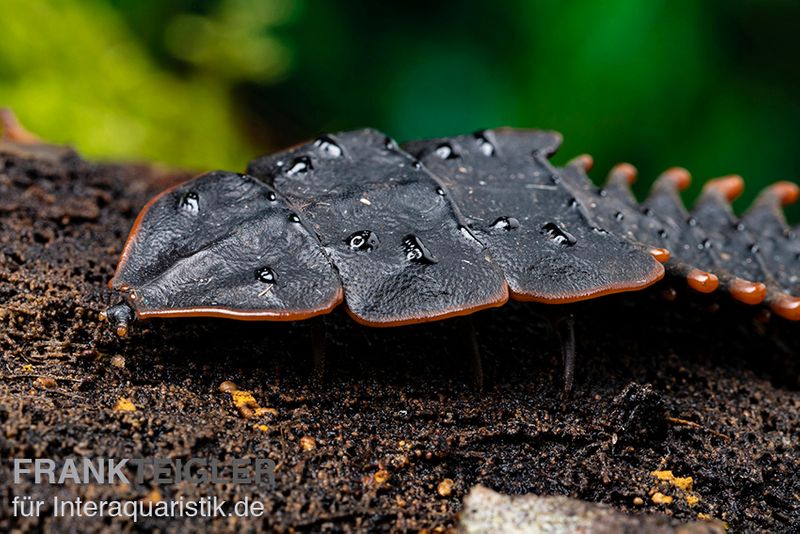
x: 243, y: 398
x: 663, y: 475
x: 124, y: 405
x: 381, y: 476
x: 682, y: 483
x: 660, y: 498
x: 245, y: 403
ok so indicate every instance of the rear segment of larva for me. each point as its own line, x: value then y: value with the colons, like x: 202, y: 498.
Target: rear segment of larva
x: 755, y: 258
x: 437, y: 229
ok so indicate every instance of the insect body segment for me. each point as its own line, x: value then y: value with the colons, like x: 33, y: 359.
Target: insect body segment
x: 547, y: 241
x: 402, y: 255
x: 236, y: 253
x: 440, y: 228
x: 754, y: 258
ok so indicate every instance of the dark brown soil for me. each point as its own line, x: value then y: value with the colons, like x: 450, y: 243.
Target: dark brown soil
x: 660, y: 386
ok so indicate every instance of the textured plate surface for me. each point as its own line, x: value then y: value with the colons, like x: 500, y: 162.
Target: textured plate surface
x: 225, y: 244
x: 398, y: 242
x: 545, y: 240
x: 779, y: 245
x: 661, y: 221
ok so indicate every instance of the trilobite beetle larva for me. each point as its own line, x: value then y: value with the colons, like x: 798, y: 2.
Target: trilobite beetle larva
x: 441, y: 228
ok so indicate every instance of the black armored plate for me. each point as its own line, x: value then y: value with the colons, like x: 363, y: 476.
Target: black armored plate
x: 661, y: 221
x: 545, y: 240
x: 225, y: 244
x: 710, y: 247
x: 779, y: 244
x: 665, y: 222
x: 399, y: 243
x: 739, y: 254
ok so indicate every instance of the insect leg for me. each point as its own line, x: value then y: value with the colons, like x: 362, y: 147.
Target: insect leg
x: 565, y: 327
x: 318, y: 349
x: 470, y: 339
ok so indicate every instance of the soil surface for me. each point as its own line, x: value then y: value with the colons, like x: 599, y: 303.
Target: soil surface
x: 394, y: 434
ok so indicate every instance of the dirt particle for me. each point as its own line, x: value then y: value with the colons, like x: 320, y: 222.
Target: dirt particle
x: 45, y: 382
x: 228, y: 387
x: 381, y: 476
x: 637, y: 414
x: 717, y: 524
x: 272, y: 412
x: 118, y: 362
x: 638, y: 501
x: 308, y: 443
x: 445, y: 487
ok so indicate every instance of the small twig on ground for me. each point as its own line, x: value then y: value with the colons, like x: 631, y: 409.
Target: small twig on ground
x: 692, y: 424
x: 56, y: 378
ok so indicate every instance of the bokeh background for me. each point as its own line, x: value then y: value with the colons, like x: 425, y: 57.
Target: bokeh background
x: 713, y: 85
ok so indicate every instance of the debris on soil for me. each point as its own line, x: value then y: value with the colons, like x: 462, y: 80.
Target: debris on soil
x: 637, y: 414
x: 659, y: 385
x: 684, y: 485
x: 124, y: 405
x: 308, y: 443
x: 660, y: 498
x: 45, y: 382
x: 245, y: 403
x: 445, y: 487
x: 488, y: 511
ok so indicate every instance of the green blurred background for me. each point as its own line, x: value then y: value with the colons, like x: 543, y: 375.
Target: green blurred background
x: 710, y: 85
